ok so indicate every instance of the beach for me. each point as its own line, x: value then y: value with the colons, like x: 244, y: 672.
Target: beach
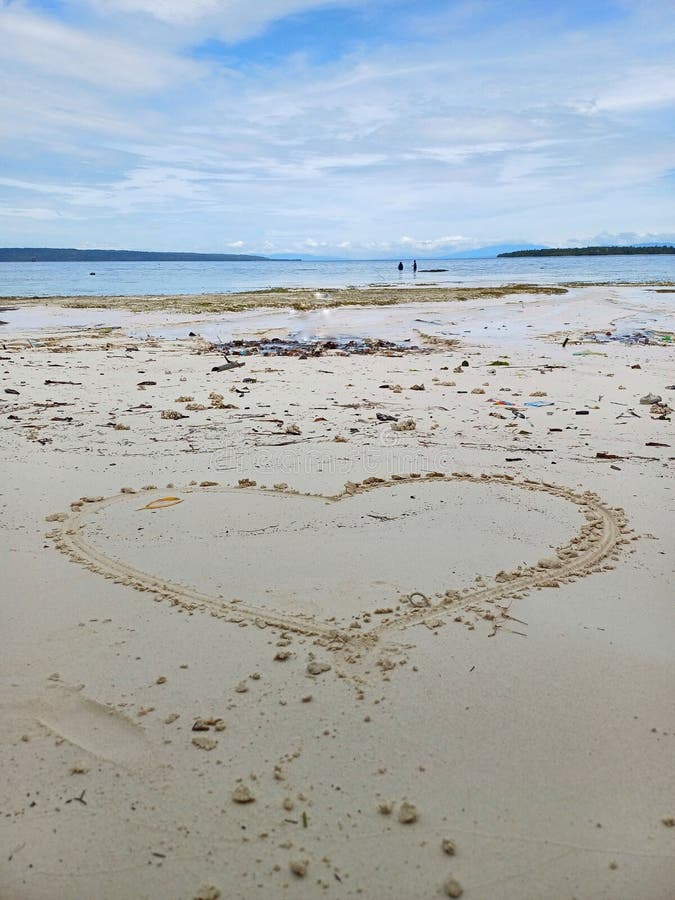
x: 385, y: 611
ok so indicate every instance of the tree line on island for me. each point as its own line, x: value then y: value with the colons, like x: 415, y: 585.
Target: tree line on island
x: 652, y: 250
x: 58, y: 254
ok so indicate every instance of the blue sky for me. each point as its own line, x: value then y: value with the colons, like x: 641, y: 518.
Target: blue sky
x: 358, y: 129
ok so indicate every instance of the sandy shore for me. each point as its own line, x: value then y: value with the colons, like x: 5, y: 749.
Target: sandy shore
x: 288, y: 629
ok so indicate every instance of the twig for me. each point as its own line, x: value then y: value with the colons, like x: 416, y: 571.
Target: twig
x: 513, y: 619
x: 286, y: 443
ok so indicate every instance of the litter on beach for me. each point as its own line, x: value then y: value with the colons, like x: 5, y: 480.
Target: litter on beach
x: 296, y: 345
x: 638, y: 336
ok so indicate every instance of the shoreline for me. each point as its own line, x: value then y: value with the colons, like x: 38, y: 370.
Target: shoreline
x: 411, y: 319
x: 311, y: 298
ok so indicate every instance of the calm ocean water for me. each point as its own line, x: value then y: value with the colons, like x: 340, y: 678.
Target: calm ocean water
x: 43, y: 279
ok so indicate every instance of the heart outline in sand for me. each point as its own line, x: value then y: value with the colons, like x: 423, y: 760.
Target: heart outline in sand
x: 587, y: 551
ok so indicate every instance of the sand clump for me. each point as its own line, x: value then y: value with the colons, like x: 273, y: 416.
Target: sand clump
x: 203, y: 742
x: 448, y: 846
x: 407, y: 813
x: 208, y: 892
x: 452, y: 888
x: 207, y: 723
x: 242, y: 794
x: 315, y: 667
x: 298, y: 867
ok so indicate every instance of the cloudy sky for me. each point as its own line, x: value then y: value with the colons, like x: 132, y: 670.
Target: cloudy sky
x: 352, y: 128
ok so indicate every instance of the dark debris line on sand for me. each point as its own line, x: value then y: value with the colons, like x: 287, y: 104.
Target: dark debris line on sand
x: 311, y: 347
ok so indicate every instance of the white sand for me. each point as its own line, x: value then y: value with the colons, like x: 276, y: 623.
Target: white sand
x: 533, y: 725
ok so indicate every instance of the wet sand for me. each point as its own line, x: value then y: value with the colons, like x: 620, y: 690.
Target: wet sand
x: 384, y: 582
x: 286, y: 298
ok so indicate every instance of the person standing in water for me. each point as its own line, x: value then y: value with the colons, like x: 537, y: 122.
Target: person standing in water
x: 414, y: 265
x: 400, y: 267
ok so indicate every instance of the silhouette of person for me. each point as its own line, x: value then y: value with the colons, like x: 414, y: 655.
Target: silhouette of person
x: 414, y: 265
x: 400, y: 267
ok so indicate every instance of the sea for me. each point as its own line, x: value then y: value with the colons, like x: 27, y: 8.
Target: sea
x: 48, y: 279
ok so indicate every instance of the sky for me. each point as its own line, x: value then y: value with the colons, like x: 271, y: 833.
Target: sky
x: 355, y: 128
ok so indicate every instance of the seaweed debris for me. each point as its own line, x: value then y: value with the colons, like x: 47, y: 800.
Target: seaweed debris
x: 312, y: 346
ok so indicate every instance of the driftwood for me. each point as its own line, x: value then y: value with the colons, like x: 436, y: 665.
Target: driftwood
x: 228, y: 364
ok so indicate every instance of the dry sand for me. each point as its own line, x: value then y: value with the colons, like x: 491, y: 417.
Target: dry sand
x: 401, y: 663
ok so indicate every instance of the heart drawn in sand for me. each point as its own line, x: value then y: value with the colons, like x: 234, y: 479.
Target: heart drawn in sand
x: 383, y: 554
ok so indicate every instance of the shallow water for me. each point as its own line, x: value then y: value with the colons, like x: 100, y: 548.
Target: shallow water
x: 43, y: 279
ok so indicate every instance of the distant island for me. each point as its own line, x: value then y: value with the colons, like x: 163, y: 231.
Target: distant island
x: 59, y: 254
x: 593, y: 251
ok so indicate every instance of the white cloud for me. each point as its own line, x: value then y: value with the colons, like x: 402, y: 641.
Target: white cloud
x: 639, y: 88
x: 231, y: 19
x: 28, y: 213
x: 429, y: 244
x: 626, y: 237
x: 44, y: 45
